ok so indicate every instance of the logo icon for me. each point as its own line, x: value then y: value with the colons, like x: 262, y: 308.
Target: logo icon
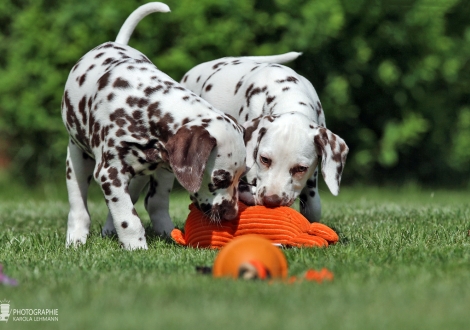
x: 4, y: 310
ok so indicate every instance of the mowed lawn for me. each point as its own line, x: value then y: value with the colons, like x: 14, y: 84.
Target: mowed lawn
x: 403, y: 262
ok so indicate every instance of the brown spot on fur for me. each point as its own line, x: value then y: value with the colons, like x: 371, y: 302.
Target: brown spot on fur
x: 150, y: 90
x: 108, y: 61
x: 292, y: 79
x: 106, y: 188
x: 250, y: 92
x: 121, y: 83
x: 239, y: 84
x: 140, y: 102
x: 217, y: 65
x: 82, y: 79
x: 249, y: 131
x: 69, y: 171
x: 103, y: 81
x: 270, y: 99
x: 118, y: 113
x: 81, y: 109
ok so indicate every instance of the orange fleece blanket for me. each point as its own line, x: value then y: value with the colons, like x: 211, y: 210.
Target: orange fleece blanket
x: 282, y: 225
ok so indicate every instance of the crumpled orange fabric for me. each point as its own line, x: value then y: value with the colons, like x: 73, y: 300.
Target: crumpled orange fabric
x: 282, y: 225
x: 313, y: 275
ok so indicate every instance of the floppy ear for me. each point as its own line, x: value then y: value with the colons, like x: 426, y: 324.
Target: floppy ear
x: 188, y: 152
x: 333, y: 151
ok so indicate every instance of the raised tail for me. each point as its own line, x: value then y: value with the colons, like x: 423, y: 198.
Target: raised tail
x: 136, y: 16
x: 281, y: 58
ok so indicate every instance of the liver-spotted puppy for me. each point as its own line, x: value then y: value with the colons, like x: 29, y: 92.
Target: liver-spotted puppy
x: 285, y: 128
x: 128, y: 120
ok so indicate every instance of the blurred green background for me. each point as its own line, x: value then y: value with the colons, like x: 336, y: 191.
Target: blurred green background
x: 393, y: 75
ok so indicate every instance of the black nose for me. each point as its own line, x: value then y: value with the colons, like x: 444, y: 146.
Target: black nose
x: 226, y: 210
x: 206, y: 208
x: 229, y: 214
x: 272, y: 201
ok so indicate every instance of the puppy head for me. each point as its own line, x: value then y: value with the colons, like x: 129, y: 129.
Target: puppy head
x: 209, y: 167
x: 284, y: 151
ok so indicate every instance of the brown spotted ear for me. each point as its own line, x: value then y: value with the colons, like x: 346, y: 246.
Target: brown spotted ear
x: 333, y: 151
x: 188, y: 152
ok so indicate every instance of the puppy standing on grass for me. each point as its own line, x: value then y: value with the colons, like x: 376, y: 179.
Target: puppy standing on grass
x: 128, y: 120
x: 285, y: 127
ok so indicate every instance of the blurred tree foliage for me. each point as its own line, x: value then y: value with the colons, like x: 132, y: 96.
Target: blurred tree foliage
x: 393, y: 75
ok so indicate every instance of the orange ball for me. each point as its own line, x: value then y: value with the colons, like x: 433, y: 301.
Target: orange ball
x: 250, y: 251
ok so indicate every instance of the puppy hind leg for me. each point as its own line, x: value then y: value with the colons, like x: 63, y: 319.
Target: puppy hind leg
x: 79, y: 171
x: 310, y: 204
x: 157, y: 201
x: 136, y: 186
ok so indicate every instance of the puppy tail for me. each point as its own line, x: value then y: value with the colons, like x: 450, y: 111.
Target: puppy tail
x: 136, y: 16
x: 281, y: 58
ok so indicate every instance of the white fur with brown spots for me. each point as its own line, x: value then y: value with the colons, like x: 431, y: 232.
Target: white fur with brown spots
x: 285, y: 127
x: 128, y: 120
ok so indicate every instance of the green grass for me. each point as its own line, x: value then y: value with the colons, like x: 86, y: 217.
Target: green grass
x: 403, y: 262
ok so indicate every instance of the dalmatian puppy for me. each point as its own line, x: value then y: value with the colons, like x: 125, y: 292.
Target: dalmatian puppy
x: 285, y: 127
x: 128, y: 120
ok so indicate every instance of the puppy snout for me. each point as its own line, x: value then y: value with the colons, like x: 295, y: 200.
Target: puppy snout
x: 229, y: 214
x: 272, y: 201
x: 227, y: 210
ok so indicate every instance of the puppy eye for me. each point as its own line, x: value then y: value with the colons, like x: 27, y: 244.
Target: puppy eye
x: 298, y: 170
x: 265, y: 160
x: 302, y: 169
